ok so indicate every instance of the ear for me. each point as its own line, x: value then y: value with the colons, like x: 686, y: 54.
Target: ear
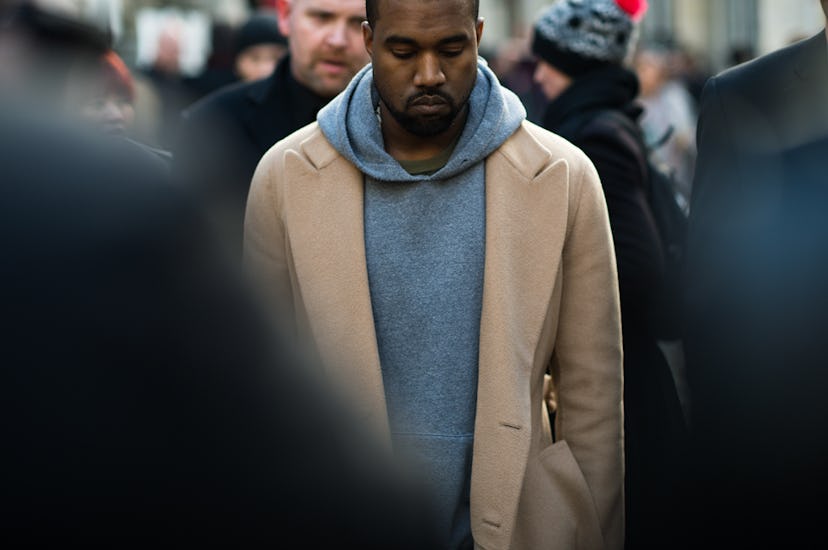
x: 283, y: 9
x: 368, y: 38
x: 479, y: 29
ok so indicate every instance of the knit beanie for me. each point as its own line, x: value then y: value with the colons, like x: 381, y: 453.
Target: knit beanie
x: 260, y: 28
x: 578, y: 36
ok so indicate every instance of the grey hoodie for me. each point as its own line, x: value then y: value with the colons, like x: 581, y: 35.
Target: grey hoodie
x: 424, y: 243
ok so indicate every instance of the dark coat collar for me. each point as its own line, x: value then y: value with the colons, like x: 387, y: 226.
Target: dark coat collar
x: 279, y: 105
x: 610, y: 87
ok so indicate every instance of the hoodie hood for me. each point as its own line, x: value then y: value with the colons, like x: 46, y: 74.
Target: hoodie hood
x: 351, y: 124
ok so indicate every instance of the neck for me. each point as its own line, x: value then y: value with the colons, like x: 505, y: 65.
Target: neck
x: 403, y: 145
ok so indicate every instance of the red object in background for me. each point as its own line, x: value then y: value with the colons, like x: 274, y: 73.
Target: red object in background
x: 116, y: 76
x: 269, y: 4
x: 635, y: 8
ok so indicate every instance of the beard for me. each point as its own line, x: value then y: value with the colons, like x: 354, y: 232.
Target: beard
x: 426, y: 126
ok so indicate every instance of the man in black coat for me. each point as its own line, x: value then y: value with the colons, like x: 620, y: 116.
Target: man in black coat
x: 757, y: 303
x: 143, y: 394
x: 223, y: 136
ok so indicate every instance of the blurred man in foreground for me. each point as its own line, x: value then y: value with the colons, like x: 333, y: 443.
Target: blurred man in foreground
x: 757, y: 303
x: 143, y: 394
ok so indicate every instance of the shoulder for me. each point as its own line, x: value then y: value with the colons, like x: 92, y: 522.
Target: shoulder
x: 546, y: 159
x: 227, y: 100
x: 771, y: 70
x: 536, y: 147
x: 308, y: 143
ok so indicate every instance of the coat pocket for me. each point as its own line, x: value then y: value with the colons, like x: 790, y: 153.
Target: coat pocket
x: 556, y: 509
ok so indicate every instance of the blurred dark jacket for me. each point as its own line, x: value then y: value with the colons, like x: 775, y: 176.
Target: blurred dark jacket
x: 143, y: 394
x: 223, y: 137
x: 757, y: 301
x: 586, y: 113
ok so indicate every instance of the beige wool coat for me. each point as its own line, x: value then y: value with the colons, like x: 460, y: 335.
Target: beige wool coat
x: 550, y: 304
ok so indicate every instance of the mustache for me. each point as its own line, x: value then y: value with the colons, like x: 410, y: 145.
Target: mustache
x: 422, y: 96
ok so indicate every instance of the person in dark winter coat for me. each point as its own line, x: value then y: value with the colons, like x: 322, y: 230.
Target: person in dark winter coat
x: 757, y: 303
x: 144, y: 394
x: 223, y: 136
x: 580, y: 69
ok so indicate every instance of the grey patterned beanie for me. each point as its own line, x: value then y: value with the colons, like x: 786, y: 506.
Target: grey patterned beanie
x: 578, y: 36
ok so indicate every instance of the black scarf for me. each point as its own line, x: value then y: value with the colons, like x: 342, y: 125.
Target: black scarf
x: 606, y: 88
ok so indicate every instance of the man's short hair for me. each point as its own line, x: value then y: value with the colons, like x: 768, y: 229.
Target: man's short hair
x: 372, y: 10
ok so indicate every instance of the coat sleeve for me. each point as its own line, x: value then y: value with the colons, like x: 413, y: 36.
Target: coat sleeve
x: 637, y: 246
x: 587, y: 361
x: 265, y: 239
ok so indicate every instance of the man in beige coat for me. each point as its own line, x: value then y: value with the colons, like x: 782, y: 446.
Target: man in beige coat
x: 444, y: 254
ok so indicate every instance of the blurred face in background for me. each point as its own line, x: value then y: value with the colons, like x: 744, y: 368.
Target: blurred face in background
x: 651, y: 69
x: 111, y: 112
x: 325, y: 41
x: 103, y: 94
x: 552, y: 82
x: 257, y: 62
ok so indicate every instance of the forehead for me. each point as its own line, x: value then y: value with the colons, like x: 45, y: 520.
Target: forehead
x: 432, y: 18
x: 346, y: 7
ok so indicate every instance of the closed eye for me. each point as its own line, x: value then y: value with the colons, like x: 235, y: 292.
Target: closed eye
x: 406, y: 54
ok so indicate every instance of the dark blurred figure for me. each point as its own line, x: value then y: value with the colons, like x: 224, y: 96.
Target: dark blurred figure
x: 692, y: 72
x: 241, y: 54
x: 143, y: 395
x: 258, y: 46
x: 102, y: 93
x: 169, y: 85
x: 105, y: 94
x: 581, y: 70
x: 669, y: 118
x: 223, y: 136
x: 514, y: 66
x: 740, y: 54
x: 757, y: 303
x: 218, y: 69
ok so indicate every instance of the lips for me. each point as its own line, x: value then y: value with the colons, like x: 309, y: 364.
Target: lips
x: 428, y: 101
x: 429, y: 105
x: 334, y: 65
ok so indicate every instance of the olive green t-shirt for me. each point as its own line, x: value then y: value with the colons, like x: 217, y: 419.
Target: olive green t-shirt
x: 428, y: 166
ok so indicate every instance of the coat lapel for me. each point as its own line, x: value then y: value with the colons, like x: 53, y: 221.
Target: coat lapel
x: 327, y: 241
x: 525, y: 231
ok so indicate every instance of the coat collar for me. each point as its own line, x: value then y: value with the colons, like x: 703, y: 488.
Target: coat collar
x: 278, y: 105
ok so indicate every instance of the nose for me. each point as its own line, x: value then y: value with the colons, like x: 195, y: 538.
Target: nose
x: 429, y: 72
x: 338, y: 35
x: 112, y: 111
x: 539, y: 74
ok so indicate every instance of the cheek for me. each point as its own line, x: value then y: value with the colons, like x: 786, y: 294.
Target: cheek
x: 128, y: 112
x: 90, y: 112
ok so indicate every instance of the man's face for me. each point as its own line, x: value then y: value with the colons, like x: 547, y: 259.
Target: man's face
x: 258, y: 61
x: 424, y: 55
x: 325, y: 41
x: 552, y: 82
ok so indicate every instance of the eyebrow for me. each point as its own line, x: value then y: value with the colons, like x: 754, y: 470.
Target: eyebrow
x: 395, y: 39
